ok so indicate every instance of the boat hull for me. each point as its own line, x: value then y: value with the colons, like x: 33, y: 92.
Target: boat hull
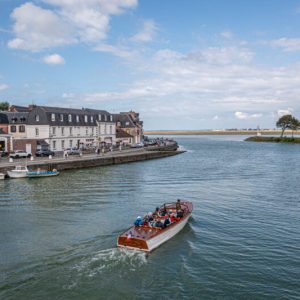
x: 41, y: 174
x: 13, y: 174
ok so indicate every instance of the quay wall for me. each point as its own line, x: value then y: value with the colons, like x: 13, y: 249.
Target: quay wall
x: 88, y: 162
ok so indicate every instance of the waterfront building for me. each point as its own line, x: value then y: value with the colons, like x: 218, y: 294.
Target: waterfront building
x: 57, y: 128
x: 130, y: 123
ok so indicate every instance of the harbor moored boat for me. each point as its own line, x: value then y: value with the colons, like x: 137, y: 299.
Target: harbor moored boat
x: 42, y: 173
x: 18, y: 172
x: 149, y: 235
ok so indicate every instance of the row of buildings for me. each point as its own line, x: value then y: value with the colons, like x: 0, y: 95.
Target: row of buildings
x: 56, y: 128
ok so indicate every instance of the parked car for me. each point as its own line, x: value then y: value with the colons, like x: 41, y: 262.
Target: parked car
x: 73, y: 151
x: 137, y: 145
x: 19, y: 154
x: 44, y: 152
x: 3, y: 153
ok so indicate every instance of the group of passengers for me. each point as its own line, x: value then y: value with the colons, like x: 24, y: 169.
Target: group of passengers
x: 161, y: 217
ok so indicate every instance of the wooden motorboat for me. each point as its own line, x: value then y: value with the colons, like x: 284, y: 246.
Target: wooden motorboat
x: 18, y: 172
x: 42, y: 173
x: 147, y: 238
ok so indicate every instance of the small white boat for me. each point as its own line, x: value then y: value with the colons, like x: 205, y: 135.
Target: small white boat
x: 148, y: 238
x: 18, y: 172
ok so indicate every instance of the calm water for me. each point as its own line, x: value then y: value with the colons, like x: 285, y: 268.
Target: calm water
x: 58, y: 235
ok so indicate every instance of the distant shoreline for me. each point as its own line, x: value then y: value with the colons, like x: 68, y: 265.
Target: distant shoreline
x: 217, y: 132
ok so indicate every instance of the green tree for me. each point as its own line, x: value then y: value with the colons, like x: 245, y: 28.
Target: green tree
x: 295, y: 124
x: 284, y: 123
x: 4, y: 106
x: 287, y: 122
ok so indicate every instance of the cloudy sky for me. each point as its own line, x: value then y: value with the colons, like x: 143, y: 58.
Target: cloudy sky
x: 183, y: 64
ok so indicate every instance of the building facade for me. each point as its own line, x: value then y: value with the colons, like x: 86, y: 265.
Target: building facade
x: 130, y: 123
x: 58, y: 128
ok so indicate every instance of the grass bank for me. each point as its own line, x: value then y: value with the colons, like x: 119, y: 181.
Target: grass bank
x: 272, y: 139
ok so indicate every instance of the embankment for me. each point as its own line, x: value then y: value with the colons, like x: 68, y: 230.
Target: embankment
x: 89, y: 161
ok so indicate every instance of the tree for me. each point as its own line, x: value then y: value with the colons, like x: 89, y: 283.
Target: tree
x: 295, y: 124
x: 287, y: 121
x: 4, y: 106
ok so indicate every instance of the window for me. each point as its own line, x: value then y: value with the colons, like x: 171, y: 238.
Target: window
x: 13, y: 128
x: 54, y: 130
x: 62, y: 131
x: 111, y: 118
x: 61, y: 117
x: 71, y: 143
x: 52, y: 117
x: 99, y: 117
x: 37, y: 118
x: 21, y: 128
x: 86, y: 131
x: 92, y: 130
x: 54, y: 145
x: 37, y: 131
x: 71, y: 130
x: 110, y: 129
x: 105, y: 118
x: 85, y: 118
x: 92, y: 119
x: 127, y: 123
x: 77, y: 119
x: 62, y: 144
x: 70, y: 118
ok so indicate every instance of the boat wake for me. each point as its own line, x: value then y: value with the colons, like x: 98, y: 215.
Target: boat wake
x: 111, y: 260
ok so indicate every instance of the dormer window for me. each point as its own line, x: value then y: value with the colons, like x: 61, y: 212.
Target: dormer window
x: 52, y: 117
x: 105, y: 118
x: 111, y: 118
x: 99, y: 117
x: 70, y: 118
x: 77, y: 118
x: 85, y: 118
x: 92, y: 119
x: 37, y: 118
x: 61, y: 117
x: 127, y: 123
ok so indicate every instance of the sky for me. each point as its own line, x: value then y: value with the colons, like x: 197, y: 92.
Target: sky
x: 182, y: 64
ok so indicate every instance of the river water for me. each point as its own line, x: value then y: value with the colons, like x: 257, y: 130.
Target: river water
x: 58, y: 235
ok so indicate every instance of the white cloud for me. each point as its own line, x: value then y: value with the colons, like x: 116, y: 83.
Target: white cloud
x: 245, y: 116
x: 3, y: 86
x: 286, y: 44
x: 283, y: 112
x: 227, y: 34
x: 72, y: 21
x: 54, y: 59
x: 36, y: 28
x: 147, y: 33
x: 115, y: 50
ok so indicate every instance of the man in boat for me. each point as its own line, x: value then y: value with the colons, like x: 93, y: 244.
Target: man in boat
x: 179, y: 211
x: 178, y: 205
x: 164, y: 211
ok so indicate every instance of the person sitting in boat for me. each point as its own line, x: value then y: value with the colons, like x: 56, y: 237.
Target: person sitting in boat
x: 138, y: 221
x: 150, y: 216
x: 164, y: 211
x: 159, y: 224
x: 179, y: 214
x: 167, y: 222
x: 178, y: 205
x: 156, y: 213
x: 173, y: 218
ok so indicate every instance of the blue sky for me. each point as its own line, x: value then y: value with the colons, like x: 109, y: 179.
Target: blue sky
x: 183, y: 64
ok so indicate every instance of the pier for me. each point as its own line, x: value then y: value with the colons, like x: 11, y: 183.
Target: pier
x: 88, y: 160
